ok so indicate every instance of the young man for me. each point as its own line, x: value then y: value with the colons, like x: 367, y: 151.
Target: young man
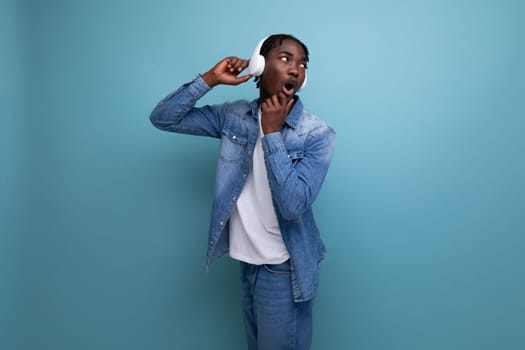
x: 274, y: 156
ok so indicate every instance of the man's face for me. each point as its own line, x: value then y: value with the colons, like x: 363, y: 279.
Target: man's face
x: 284, y: 70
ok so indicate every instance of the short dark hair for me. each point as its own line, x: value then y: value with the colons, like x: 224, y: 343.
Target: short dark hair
x: 276, y: 40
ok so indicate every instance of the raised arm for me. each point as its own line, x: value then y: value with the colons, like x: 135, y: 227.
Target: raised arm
x: 177, y: 111
x: 226, y: 72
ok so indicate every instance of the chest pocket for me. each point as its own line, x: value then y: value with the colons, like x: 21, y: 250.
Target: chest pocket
x: 295, y: 156
x: 233, y: 145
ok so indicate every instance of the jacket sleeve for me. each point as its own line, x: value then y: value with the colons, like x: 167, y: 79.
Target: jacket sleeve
x: 177, y: 111
x: 295, y: 187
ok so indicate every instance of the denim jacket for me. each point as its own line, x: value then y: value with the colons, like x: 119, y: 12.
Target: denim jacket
x: 297, y: 159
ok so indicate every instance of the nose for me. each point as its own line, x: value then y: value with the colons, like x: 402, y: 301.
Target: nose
x: 293, y: 71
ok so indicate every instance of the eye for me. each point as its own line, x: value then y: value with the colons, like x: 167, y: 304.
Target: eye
x: 303, y: 65
x: 284, y: 58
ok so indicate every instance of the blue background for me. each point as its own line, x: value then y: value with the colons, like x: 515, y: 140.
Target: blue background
x: 104, y: 218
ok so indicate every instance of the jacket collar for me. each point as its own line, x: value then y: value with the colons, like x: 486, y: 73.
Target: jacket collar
x: 293, y: 117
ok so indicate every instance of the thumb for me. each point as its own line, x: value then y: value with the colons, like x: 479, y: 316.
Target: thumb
x: 289, y: 106
x: 244, y: 78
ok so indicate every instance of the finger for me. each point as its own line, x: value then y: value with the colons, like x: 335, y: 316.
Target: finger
x: 264, y: 106
x: 275, y: 100
x: 268, y: 101
x: 236, y: 64
x: 239, y: 65
x: 243, y: 79
x: 282, y: 99
x: 245, y: 62
x: 289, y: 105
x: 232, y: 61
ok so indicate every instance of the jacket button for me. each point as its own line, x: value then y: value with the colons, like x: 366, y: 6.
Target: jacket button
x: 221, y: 223
x: 234, y: 137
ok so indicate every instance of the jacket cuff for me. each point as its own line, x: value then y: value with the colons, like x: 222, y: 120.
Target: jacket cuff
x: 198, y: 87
x: 273, y: 143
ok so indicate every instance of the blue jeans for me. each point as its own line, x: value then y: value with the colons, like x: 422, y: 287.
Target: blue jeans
x: 272, y: 319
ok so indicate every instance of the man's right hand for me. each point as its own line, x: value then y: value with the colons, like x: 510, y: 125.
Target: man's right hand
x: 226, y: 72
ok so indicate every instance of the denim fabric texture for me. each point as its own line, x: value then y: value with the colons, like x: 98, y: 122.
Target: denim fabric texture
x: 297, y: 160
x: 272, y: 319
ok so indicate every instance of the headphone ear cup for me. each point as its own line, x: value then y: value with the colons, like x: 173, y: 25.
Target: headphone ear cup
x: 256, y: 65
x: 304, y: 82
x: 257, y: 62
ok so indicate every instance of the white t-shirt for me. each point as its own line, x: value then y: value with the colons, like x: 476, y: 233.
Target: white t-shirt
x: 255, y: 236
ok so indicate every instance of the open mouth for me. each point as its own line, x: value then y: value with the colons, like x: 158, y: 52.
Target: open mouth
x: 289, y: 88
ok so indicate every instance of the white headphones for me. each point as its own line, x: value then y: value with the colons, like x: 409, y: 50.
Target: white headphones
x: 257, y: 62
